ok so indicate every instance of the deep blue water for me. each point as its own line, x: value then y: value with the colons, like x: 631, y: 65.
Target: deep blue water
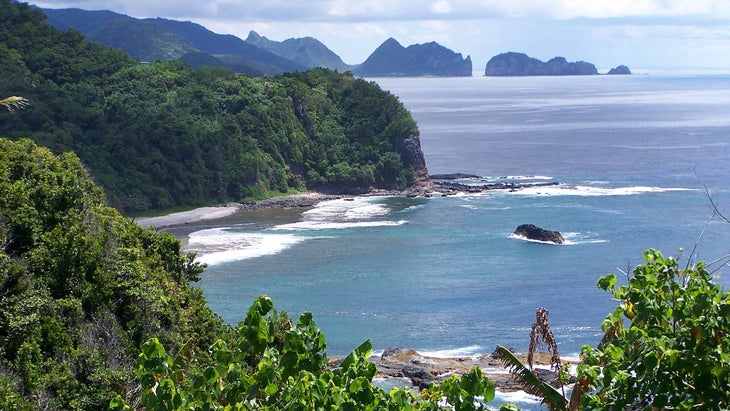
x: 442, y: 275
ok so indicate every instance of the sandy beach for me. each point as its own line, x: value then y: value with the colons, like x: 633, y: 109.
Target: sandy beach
x: 187, y: 217
x: 303, y: 200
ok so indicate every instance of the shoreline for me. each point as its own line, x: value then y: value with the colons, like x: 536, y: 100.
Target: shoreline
x: 210, y: 213
x: 446, y: 187
x: 395, y: 363
x: 421, y: 370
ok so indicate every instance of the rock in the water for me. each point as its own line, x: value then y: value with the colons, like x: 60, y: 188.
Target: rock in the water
x: 620, y: 70
x: 533, y: 232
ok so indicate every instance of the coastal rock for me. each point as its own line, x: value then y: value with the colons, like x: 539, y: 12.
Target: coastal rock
x: 391, y: 59
x: 422, y: 370
x: 620, y: 70
x: 412, y: 156
x: 520, y: 64
x: 536, y: 233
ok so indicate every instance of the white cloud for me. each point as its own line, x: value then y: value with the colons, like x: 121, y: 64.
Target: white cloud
x: 441, y: 7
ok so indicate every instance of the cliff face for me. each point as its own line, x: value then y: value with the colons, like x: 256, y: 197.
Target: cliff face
x: 391, y: 59
x: 412, y: 156
x: 519, y: 64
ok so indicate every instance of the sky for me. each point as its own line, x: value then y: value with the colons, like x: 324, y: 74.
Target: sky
x: 661, y: 34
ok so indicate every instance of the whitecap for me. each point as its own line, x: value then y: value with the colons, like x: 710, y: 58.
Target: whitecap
x: 346, y: 209
x: 468, y: 351
x: 219, y: 245
x: 334, y: 225
x: 516, y: 397
x: 574, y: 238
x: 526, y: 178
x: 591, y: 191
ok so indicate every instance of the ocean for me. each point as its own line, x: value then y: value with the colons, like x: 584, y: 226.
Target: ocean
x: 637, y: 159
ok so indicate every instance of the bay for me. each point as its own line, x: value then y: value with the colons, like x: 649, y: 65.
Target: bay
x: 442, y: 275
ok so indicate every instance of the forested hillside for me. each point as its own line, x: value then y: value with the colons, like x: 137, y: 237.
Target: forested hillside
x: 81, y: 287
x: 162, y: 135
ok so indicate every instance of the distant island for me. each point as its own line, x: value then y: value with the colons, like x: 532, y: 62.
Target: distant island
x: 520, y: 64
x: 391, y: 59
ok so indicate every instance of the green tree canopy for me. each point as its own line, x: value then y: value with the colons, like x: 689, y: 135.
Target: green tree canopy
x: 161, y: 135
x: 81, y: 287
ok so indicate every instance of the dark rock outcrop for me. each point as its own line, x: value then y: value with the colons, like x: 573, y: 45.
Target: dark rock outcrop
x: 520, y: 64
x: 620, y: 70
x: 422, y: 370
x: 412, y: 156
x: 532, y: 232
x: 391, y: 59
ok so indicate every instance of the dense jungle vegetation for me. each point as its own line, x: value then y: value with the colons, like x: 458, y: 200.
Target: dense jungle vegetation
x: 161, y: 135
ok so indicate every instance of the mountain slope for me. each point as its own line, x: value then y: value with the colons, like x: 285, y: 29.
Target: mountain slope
x: 391, y: 59
x: 225, y: 44
x: 306, y: 51
x: 163, y: 39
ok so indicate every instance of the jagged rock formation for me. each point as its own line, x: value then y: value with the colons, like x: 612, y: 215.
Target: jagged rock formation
x: 520, y: 64
x: 620, y: 70
x: 532, y: 232
x: 391, y: 59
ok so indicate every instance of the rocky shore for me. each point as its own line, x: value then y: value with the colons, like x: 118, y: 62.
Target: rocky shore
x: 444, y: 186
x: 422, y: 370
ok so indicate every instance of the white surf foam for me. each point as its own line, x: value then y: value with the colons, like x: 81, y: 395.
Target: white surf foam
x: 330, y: 225
x: 218, y: 245
x: 570, y: 238
x: 516, y: 397
x: 530, y: 240
x: 591, y: 191
x: 342, y: 214
x: 346, y: 209
x: 574, y: 238
x: 525, y: 178
x: 468, y: 351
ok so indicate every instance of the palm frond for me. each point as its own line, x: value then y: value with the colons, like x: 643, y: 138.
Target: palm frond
x: 14, y: 102
x: 549, y: 395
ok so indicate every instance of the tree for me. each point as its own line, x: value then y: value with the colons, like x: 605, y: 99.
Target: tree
x: 273, y: 364
x: 674, y: 353
x: 81, y: 287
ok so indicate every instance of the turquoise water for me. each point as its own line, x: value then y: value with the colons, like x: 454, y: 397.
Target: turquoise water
x: 442, y: 275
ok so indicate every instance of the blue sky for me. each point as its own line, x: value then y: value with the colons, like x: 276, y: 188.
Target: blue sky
x: 670, y: 34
